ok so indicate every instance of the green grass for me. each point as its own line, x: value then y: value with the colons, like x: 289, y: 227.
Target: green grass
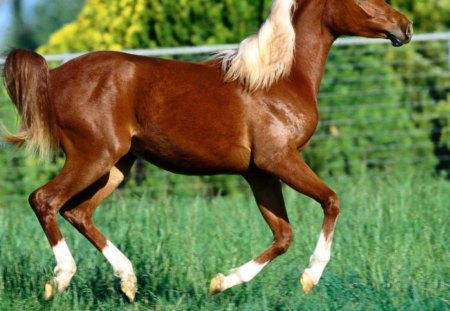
x: 391, y: 251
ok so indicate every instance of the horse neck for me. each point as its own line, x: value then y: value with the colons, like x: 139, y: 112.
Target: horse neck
x: 313, y: 43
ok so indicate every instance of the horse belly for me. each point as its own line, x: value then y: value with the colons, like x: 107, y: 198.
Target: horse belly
x: 193, y: 155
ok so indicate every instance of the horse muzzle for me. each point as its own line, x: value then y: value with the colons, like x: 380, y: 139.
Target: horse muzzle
x: 401, y: 35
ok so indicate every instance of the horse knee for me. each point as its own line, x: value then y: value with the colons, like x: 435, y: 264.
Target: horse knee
x: 331, y: 206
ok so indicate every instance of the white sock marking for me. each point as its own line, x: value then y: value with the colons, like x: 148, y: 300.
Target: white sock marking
x: 65, y: 265
x: 319, y: 259
x: 120, y: 263
x: 243, y: 274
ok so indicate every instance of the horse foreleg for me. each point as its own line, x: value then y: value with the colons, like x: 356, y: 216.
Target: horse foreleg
x: 268, y: 195
x: 80, y: 216
x: 296, y: 173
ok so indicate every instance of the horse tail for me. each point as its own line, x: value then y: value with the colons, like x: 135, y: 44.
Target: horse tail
x: 27, y: 80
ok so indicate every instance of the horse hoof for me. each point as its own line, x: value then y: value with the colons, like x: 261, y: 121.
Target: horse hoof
x: 216, y: 284
x: 307, y: 283
x: 129, y: 287
x: 49, y: 291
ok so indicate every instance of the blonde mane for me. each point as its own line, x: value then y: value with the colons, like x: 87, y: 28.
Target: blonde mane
x: 267, y: 56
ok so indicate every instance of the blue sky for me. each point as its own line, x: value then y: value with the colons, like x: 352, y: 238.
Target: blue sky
x: 6, y: 15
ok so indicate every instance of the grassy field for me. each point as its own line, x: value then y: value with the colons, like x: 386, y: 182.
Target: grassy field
x: 391, y: 251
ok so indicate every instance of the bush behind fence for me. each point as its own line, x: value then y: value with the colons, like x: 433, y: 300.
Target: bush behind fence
x: 382, y: 109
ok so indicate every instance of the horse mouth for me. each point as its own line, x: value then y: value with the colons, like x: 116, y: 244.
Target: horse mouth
x: 396, y: 41
x: 399, y: 38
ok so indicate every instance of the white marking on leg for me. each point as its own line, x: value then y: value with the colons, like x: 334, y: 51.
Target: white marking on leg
x: 319, y: 258
x: 243, y: 274
x: 120, y: 263
x: 122, y: 268
x: 65, y: 265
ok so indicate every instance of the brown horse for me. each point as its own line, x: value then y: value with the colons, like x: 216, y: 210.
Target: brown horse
x: 248, y: 112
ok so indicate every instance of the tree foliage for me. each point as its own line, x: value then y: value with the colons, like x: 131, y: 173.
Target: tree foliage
x: 31, y: 27
x: 365, y: 119
x: 427, y: 15
x: 132, y: 24
x: 129, y: 24
x: 151, y: 23
x: 417, y: 105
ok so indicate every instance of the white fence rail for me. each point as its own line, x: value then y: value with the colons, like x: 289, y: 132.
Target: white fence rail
x: 420, y: 96
x: 208, y: 49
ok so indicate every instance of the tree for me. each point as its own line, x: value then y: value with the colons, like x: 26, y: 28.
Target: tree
x: 49, y: 16
x: 21, y: 33
x: 430, y: 97
x: 364, y: 119
x: 132, y: 24
x: 427, y: 15
x: 356, y: 129
x: 32, y: 27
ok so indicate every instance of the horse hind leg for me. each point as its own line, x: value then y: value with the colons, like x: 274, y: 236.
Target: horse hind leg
x: 79, y: 213
x: 64, y: 270
x: 82, y: 168
x: 268, y: 195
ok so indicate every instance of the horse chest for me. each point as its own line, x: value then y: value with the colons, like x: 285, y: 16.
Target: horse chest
x: 280, y: 126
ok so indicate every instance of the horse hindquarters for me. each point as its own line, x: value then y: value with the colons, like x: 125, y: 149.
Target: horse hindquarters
x: 94, y: 141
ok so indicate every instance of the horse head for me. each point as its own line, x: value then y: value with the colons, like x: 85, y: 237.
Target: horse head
x: 367, y: 18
